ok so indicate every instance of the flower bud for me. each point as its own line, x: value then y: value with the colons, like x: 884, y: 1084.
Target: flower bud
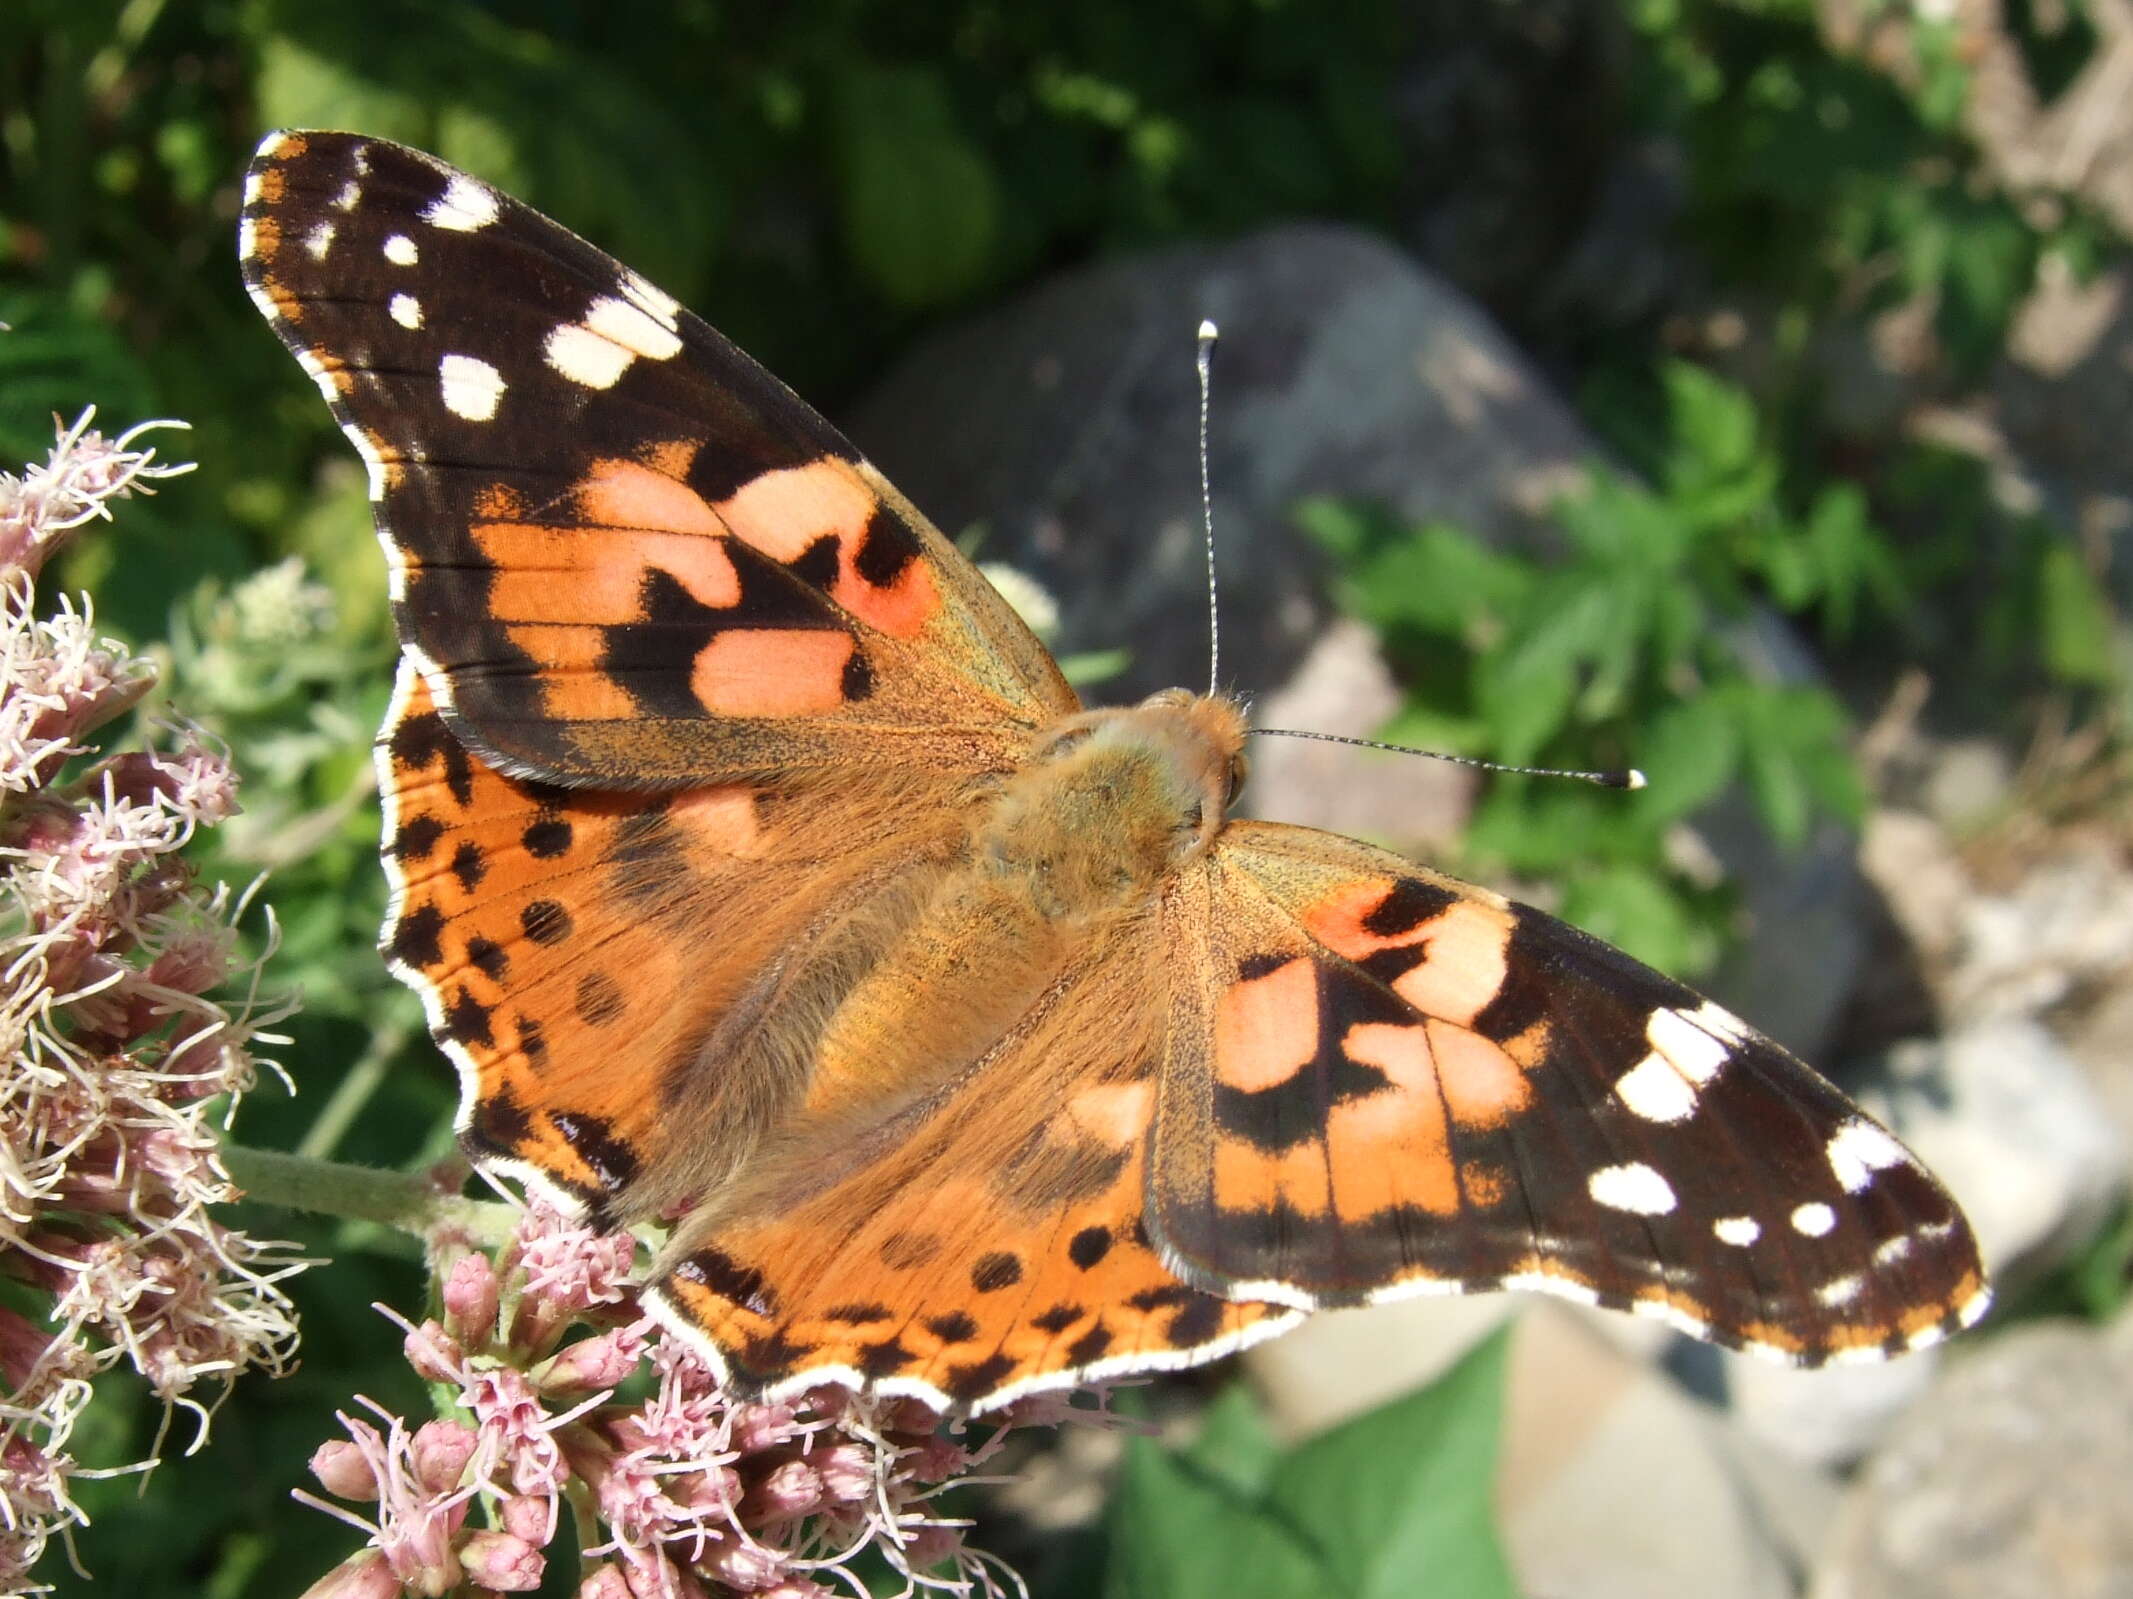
x: 601, y: 1361
x: 441, y: 1450
x: 434, y: 1353
x: 501, y: 1561
x: 792, y: 1489
x: 529, y: 1516
x: 362, y: 1576
x: 342, y: 1471
x: 470, y: 1296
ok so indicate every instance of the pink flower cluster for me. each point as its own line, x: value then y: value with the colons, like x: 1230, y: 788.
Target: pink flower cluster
x: 569, y: 1412
x: 116, y: 1055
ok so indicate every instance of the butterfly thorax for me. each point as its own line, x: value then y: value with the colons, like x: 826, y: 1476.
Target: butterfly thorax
x: 1075, y: 844
x: 1112, y: 801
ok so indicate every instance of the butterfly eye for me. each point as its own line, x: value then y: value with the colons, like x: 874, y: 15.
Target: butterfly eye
x: 1064, y: 742
x: 1237, y: 771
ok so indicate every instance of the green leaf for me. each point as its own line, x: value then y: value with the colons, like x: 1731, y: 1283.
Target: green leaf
x: 1399, y: 1502
x: 1714, y: 423
x: 300, y: 88
x: 1234, y: 1447
x: 2073, y: 618
x: 1795, y: 755
x: 919, y: 201
x: 1688, y: 755
x: 1524, y: 697
x: 1177, y: 1532
x: 1641, y: 910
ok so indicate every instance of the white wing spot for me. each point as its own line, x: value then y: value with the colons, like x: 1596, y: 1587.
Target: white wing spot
x: 1696, y: 1044
x: 1721, y: 1023
x: 1633, y: 1187
x: 1815, y: 1219
x: 464, y: 206
x: 405, y: 310
x: 1891, y: 1250
x: 1548, y: 1282
x: 596, y: 352
x: 635, y: 329
x: 400, y: 250
x: 586, y: 359
x: 1859, y: 1149
x: 1739, y: 1231
x: 661, y: 307
x: 247, y: 247
x: 1840, y: 1290
x: 470, y: 387
x: 319, y: 240
x: 1671, y: 1314
x: 351, y: 192
x: 1656, y: 1090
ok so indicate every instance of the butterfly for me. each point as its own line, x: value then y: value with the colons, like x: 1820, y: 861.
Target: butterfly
x: 760, y: 871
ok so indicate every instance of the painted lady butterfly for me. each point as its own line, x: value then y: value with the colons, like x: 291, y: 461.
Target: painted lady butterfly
x: 758, y: 868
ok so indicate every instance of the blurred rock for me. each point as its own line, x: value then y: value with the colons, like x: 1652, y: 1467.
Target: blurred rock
x: 1830, y: 1417
x: 2008, y: 1119
x: 2014, y: 1482
x: 1615, y: 1485
x: 1971, y: 782
x: 2103, y: 1042
x: 1911, y: 860
x: 1341, y: 1363
x: 1065, y: 425
x: 2065, y: 924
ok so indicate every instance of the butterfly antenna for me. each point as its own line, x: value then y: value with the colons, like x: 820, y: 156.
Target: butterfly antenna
x: 1628, y: 778
x: 1205, y: 361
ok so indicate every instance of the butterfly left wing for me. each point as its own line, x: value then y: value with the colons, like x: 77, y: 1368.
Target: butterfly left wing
x: 1385, y: 1082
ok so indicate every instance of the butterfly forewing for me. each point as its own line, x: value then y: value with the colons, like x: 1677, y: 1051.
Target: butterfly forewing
x: 624, y: 554
x: 1390, y: 1082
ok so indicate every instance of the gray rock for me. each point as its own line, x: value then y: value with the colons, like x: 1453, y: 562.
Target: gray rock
x: 2010, y: 1121
x: 2066, y: 925
x: 1064, y: 424
x: 1830, y: 1417
x: 1615, y: 1485
x: 2014, y: 1483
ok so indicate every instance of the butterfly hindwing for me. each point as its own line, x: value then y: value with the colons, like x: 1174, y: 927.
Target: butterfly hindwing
x: 987, y: 1243
x: 624, y: 554
x: 1388, y: 1082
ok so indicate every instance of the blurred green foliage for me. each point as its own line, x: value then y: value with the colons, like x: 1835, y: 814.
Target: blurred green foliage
x: 829, y: 181
x: 1633, y: 644
x: 1398, y: 1501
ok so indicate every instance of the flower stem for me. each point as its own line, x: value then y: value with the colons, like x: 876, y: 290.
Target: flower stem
x: 409, y: 1202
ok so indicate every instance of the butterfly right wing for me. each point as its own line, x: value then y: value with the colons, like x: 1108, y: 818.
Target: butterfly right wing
x: 624, y: 555
x: 1380, y: 1081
